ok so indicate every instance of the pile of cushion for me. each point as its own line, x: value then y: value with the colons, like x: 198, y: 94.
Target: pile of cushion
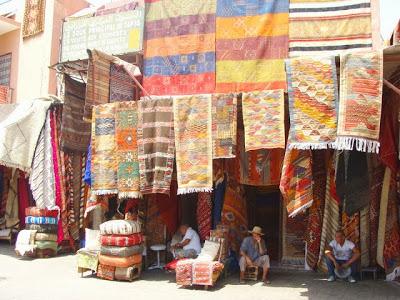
x: 121, y: 250
x: 40, y: 233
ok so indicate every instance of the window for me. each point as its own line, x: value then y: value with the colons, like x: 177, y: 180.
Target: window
x: 5, y: 69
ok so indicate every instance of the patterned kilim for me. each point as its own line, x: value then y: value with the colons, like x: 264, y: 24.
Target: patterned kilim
x: 316, y: 211
x: 34, y: 16
x: 104, y: 164
x: 203, y: 212
x: 360, y: 101
x: 179, y: 55
x: 296, y: 181
x: 98, y: 83
x: 364, y: 237
x: 330, y: 223
x: 329, y: 27
x: 251, y: 45
x: 126, y: 121
x: 351, y: 227
x: 224, y: 125
x: 293, y: 239
x: 193, y: 141
x: 121, y: 84
x: 313, y: 99
x: 156, y: 145
x: 264, y: 119
x: 75, y: 131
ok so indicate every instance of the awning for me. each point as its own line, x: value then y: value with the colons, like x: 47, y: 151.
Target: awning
x: 7, y: 25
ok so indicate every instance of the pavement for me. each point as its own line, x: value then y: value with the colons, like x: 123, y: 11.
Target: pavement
x: 57, y: 278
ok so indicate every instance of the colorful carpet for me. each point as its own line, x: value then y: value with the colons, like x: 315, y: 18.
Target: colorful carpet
x: 351, y: 227
x: 104, y: 166
x: 224, y: 125
x: 329, y: 27
x: 364, y: 237
x: 193, y: 141
x: 264, y: 119
x: 313, y: 100
x: 203, y: 214
x: 156, y: 145
x: 360, y: 108
x: 34, y: 16
x: 251, y: 45
x: 296, y: 181
x: 126, y: 121
x: 121, y: 85
x: 179, y: 55
x: 75, y: 131
x: 293, y: 239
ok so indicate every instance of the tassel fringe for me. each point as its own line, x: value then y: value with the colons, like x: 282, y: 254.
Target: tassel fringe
x: 360, y: 144
x: 104, y: 192
x: 182, y: 191
x: 123, y: 195
x: 312, y: 146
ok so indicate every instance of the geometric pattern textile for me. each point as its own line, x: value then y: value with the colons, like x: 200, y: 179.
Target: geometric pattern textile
x: 313, y: 100
x: 203, y: 214
x: 251, y: 45
x: 329, y: 27
x: 121, y: 84
x: 360, y: 101
x: 224, y: 125
x: 193, y: 142
x: 34, y: 15
x: 179, y: 47
x: 264, y: 119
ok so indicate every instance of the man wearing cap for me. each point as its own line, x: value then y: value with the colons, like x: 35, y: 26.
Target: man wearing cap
x: 254, y: 253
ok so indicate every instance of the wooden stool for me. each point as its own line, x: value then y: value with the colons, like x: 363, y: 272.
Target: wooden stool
x: 373, y: 270
x: 251, y: 273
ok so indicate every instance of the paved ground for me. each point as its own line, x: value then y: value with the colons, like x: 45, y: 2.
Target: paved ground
x: 56, y: 278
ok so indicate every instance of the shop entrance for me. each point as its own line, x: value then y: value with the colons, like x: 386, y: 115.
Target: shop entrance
x: 264, y: 209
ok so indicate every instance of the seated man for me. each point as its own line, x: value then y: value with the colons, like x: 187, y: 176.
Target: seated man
x: 190, y: 246
x: 341, y: 253
x: 254, y: 253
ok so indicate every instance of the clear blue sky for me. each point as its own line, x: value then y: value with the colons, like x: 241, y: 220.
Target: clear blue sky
x: 390, y: 14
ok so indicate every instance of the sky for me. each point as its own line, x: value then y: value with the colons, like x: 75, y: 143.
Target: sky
x: 390, y: 14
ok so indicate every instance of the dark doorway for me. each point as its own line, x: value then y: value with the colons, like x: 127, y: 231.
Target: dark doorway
x: 264, y: 209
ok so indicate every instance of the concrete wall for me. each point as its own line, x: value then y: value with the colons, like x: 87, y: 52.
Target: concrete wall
x: 9, y: 43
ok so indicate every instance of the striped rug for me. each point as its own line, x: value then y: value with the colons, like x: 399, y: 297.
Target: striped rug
x: 329, y: 27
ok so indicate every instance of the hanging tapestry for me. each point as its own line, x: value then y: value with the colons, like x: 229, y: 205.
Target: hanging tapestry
x: 75, y: 132
x: 264, y: 119
x: 179, y: 55
x: 98, y: 83
x: 251, y: 45
x: 313, y: 100
x: 88, y: 171
x: 193, y: 141
x: 360, y: 101
x: 224, y: 125
x: 351, y: 227
x: 156, y: 143
x: 34, y: 16
x: 296, y: 181
x: 293, y: 239
x: 364, y: 237
x: 126, y: 122
x: 330, y: 223
x: 316, y: 211
x: 203, y: 212
x: 104, y: 164
x: 329, y: 27
x: 121, y: 84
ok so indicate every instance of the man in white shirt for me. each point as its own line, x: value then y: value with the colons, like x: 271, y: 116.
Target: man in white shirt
x: 190, y: 246
x: 341, y: 254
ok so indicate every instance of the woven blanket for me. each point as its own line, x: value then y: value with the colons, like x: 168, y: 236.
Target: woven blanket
x: 126, y: 120
x: 25, y: 242
x: 361, y: 101
x: 183, y: 272
x: 313, y: 100
x: 179, y: 55
x: 156, y: 143
x: 40, y: 220
x: 34, y: 15
x: 46, y: 237
x: 364, y: 237
x: 224, y: 125
x: 122, y: 227
x: 203, y: 214
x: 293, y: 239
x: 122, y: 251
x: 106, y: 272
x: 351, y: 227
x: 203, y: 272
x: 193, y: 141
x: 251, y: 45
x: 329, y: 27
x: 20, y: 127
x: 43, y: 228
x: 316, y: 211
x: 37, y: 212
x: 264, y: 119
x: 121, y: 240
x: 75, y: 131
x: 104, y: 166
x: 120, y: 262
x: 121, y: 84
x: 46, y: 245
x: 296, y: 181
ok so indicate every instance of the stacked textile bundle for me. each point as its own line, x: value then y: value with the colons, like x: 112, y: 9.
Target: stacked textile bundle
x: 40, y: 238
x: 121, y: 250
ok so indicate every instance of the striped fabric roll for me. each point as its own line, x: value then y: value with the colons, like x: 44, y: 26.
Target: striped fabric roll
x: 121, y: 240
x: 41, y: 220
x: 37, y: 212
x: 120, y: 227
x: 329, y: 27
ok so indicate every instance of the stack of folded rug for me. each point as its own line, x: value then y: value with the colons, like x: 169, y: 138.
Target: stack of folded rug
x: 121, y: 250
x: 45, y: 223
